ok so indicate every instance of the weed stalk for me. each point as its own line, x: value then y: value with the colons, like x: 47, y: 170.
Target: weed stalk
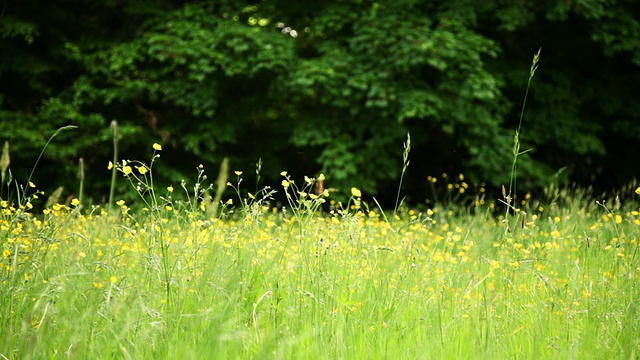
x: 509, y: 197
x: 405, y: 165
x: 112, y: 189
x: 81, y: 175
x: 5, y: 161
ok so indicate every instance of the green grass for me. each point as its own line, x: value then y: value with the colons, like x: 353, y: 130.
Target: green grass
x: 173, y: 282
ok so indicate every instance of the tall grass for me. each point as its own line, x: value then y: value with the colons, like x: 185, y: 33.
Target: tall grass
x: 172, y: 281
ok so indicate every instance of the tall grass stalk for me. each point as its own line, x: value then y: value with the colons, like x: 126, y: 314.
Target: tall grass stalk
x: 114, y: 170
x: 221, y: 184
x: 510, y: 196
x: 405, y: 165
x: 5, y: 161
x: 81, y: 176
x: 64, y: 128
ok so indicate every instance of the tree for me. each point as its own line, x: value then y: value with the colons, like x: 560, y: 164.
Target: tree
x: 328, y: 87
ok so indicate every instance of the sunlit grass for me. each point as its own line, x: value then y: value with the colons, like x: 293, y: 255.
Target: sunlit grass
x: 186, y: 275
x: 170, y: 281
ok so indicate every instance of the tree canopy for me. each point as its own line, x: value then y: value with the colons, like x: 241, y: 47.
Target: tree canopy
x: 327, y: 87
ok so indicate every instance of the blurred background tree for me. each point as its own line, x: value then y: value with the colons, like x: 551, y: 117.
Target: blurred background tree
x: 331, y: 87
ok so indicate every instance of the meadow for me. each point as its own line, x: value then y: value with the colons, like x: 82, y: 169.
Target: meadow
x: 184, y: 277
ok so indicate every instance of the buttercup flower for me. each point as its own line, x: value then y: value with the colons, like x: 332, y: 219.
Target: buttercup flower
x: 157, y: 147
x: 356, y: 192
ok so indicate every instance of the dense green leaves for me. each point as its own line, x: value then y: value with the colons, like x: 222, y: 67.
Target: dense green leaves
x: 327, y: 87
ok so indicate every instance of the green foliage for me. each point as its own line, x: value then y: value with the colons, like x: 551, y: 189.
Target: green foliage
x: 330, y: 87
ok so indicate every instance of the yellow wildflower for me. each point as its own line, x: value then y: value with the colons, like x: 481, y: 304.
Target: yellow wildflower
x: 157, y: 147
x: 75, y: 202
x: 126, y: 169
x: 142, y: 169
x: 356, y: 192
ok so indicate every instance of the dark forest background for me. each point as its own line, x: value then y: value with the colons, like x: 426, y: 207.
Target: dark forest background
x: 327, y: 87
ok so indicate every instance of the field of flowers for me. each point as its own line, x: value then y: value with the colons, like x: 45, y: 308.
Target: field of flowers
x: 550, y: 280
